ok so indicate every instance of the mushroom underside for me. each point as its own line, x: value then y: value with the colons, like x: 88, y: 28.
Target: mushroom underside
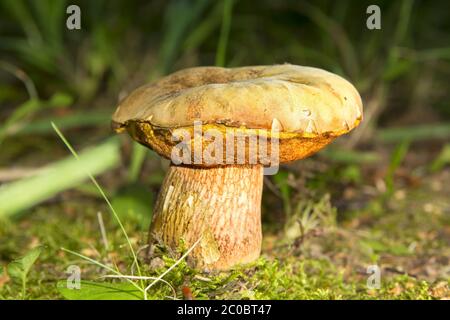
x: 219, y: 208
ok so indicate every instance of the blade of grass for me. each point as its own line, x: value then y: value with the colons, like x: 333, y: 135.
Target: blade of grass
x: 179, y: 17
x: 224, y: 33
x: 141, y: 278
x: 414, y: 133
x: 22, y: 76
x: 102, y: 230
x: 20, y: 117
x: 204, y: 29
x: 336, y: 33
x: 24, y: 110
x: 104, y: 266
x: 100, y: 189
x: 395, y: 66
x: 75, y: 120
x: 23, y: 15
x: 137, y: 159
x: 397, y: 158
x: 174, y: 265
x: 442, y: 159
x: 350, y: 156
x: 59, y: 176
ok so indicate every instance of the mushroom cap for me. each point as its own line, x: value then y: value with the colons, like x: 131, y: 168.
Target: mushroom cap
x: 309, y: 107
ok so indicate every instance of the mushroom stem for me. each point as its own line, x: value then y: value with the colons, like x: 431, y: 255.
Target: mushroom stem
x: 222, y: 205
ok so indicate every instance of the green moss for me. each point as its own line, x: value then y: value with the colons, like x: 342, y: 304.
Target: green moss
x: 329, y: 263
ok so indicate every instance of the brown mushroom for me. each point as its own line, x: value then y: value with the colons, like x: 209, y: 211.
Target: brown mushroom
x: 220, y: 127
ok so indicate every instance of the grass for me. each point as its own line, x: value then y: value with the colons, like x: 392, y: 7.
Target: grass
x: 285, y: 278
x: 224, y: 33
x: 329, y: 264
x: 382, y: 210
x: 63, y: 175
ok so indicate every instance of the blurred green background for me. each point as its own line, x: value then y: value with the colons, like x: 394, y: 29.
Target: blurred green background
x: 76, y: 77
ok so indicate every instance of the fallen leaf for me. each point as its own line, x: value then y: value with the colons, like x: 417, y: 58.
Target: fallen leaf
x: 440, y: 290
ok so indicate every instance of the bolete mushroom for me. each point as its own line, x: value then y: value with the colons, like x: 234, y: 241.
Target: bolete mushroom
x: 220, y: 127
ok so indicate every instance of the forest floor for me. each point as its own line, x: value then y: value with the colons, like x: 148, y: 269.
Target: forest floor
x: 405, y: 235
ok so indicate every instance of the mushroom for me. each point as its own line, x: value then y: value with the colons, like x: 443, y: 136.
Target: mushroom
x: 221, y: 128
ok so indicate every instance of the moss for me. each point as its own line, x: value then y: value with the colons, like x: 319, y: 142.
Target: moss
x: 409, y: 243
